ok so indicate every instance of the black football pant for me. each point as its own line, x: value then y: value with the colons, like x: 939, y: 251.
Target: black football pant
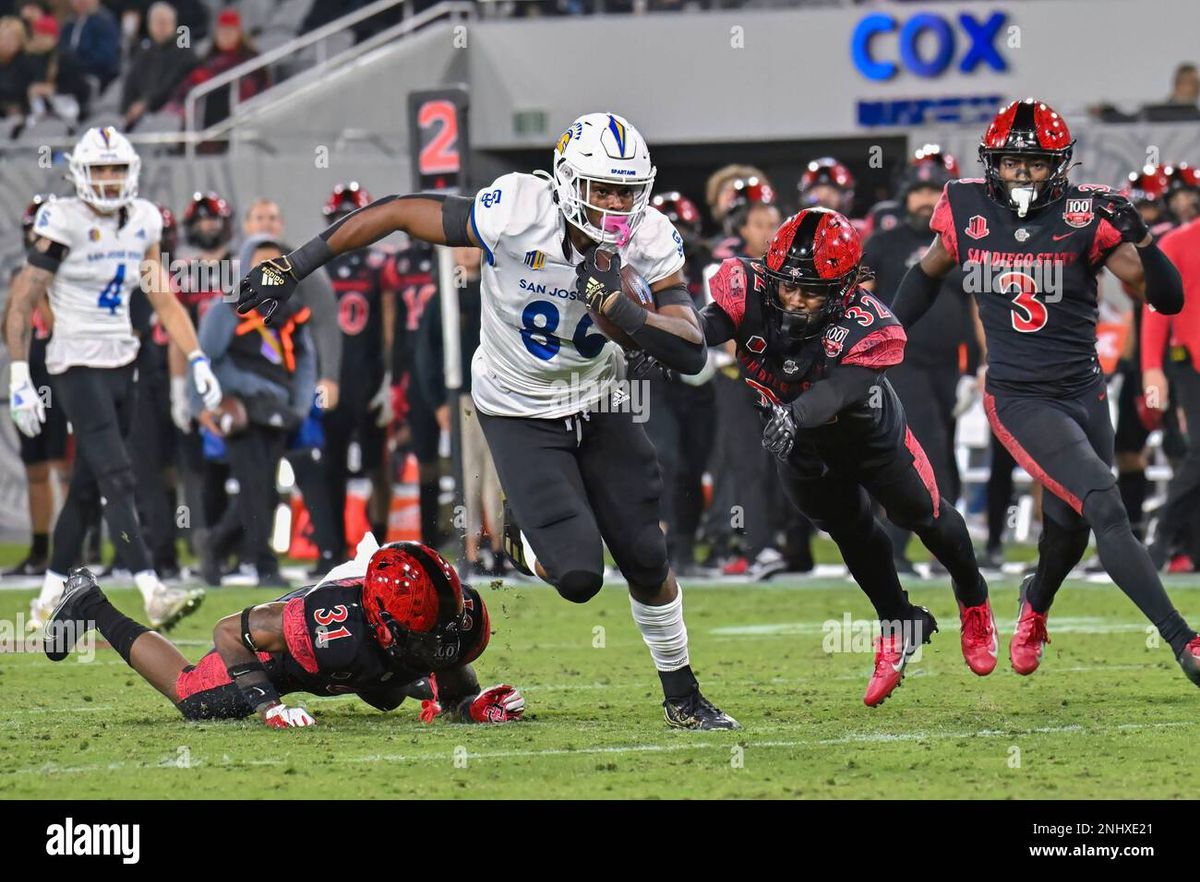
x: 838, y: 501
x: 348, y: 422
x: 99, y: 403
x: 999, y: 493
x: 574, y: 483
x: 254, y: 456
x: 928, y: 395
x: 151, y: 444
x: 681, y: 424
x: 1066, y: 444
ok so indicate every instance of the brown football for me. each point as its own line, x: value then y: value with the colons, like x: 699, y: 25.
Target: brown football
x: 227, y: 418
x: 636, y: 289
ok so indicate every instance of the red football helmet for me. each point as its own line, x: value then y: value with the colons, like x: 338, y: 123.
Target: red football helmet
x: 1027, y: 128
x: 344, y: 199
x: 933, y: 154
x: 169, y: 240
x: 819, y: 250
x: 31, y: 210
x: 413, y: 600
x: 1147, y: 185
x: 682, y: 213
x: 207, y: 205
x: 828, y: 172
x: 1181, y: 176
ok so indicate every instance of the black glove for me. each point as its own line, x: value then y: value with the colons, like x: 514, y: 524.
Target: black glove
x: 780, y: 432
x: 594, y: 284
x: 640, y: 364
x: 1123, y: 215
x: 266, y: 286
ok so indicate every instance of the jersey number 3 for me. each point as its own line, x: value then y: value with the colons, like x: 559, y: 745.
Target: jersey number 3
x: 110, y: 297
x: 1030, y: 314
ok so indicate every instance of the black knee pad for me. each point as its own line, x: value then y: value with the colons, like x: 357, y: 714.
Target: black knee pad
x: 650, y: 559
x: 117, y: 484
x: 1105, y: 511
x: 579, y: 586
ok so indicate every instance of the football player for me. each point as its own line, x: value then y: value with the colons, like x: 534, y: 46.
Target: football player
x: 889, y: 213
x: 576, y: 469
x: 1037, y: 241
x: 90, y: 252
x: 815, y: 345
x: 406, y: 627
x: 47, y: 451
x: 827, y: 183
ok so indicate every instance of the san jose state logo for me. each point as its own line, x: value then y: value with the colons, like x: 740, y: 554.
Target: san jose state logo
x: 977, y: 227
x: 1078, y: 212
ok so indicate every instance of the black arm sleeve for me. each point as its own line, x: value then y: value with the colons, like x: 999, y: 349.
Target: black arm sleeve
x: 48, y: 260
x: 666, y: 348
x: 845, y: 385
x: 1164, y: 286
x: 456, y: 216
x: 718, y: 327
x: 915, y: 295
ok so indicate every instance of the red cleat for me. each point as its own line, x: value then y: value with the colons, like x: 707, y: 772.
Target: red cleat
x: 1189, y: 660
x: 1180, y: 563
x: 892, y: 654
x: 980, y: 644
x: 736, y: 567
x: 1029, y: 638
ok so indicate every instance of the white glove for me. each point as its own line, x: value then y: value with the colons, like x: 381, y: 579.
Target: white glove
x: 965, y: 395
x: 382, y: 401
x: 205, y: 379
x: 283, y: 717
x: 28, y: 411
x: 181, y: 407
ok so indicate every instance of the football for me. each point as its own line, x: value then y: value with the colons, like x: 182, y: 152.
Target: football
x: 636, y: 289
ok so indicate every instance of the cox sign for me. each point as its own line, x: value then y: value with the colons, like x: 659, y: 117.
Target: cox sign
x: 980, y: 39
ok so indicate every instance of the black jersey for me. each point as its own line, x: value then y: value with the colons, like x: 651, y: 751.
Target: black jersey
x: 358, y: 284
x: 1034, y: 279
x: 412, y: 274
x: 938, y: 340
x: 867, y: 335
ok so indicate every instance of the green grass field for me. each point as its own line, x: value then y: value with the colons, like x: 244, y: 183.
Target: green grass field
x: 1107, y: 715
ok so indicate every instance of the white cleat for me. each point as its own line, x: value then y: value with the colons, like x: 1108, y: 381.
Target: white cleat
x: 39, y: 613
x: 168, y: 605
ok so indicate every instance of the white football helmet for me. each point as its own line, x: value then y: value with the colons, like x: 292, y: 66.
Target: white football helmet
x: 602, y: 148
x: 99, y: 147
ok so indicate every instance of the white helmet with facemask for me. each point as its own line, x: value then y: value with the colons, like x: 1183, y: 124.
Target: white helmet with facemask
x: 101, y: 147
x: 602, y: 148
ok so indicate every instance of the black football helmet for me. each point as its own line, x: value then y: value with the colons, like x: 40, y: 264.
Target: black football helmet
x: 1027, y: 128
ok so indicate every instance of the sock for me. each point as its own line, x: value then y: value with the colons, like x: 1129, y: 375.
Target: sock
x: 665, y: 635
x: 116, y: 627
x: 1133, y: 486
x: 52, y: 588
x: 147, y: 582
x: 40, y: 547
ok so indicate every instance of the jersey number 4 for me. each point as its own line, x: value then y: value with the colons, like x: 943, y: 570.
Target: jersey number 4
x: 540, y: 340
x: 110, y: 297
x: 1030, y: 314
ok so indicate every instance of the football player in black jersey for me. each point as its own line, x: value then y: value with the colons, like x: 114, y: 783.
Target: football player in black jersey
x: 407, y: 628
x: 1030, y: 244
x: 815, y: 346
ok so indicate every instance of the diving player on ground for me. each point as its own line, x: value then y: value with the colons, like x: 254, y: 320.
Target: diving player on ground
x: 575, y: 467
x: 1025, y: 229
x: 405, y: 627
x: 815, y: 346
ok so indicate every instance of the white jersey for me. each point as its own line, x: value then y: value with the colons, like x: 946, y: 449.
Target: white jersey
x: 539, y: 354
x: 90, y: 292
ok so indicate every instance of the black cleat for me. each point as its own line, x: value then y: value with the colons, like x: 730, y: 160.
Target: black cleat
x: 513, y: 546
x: 65, y: 625
x: 421, y: 690
x: 30, y: 566
x: 697, y: 712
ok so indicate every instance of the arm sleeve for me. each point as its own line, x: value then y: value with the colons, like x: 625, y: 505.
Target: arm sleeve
x: 915, y: 295
x: 316, y: 292
x: 845, y: 385
x: 669, y: 349
x: 718, y: 327
x: 1164, y: 286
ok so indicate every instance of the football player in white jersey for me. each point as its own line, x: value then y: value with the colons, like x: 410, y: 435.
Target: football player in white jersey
x: 89, y: 251
x: 575, y: 466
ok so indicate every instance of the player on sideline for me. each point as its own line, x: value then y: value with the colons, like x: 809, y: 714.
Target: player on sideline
x: 89, y: 253
x: 1038, y: 242
x: 574, y: 465
x: 815, y: 345
x: 394, y: 626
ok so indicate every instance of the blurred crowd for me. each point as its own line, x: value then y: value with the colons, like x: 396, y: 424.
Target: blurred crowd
x: 348, y: 388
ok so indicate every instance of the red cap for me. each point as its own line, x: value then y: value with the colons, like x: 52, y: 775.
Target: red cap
x: 47, y: 25
x: 229, y: 18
